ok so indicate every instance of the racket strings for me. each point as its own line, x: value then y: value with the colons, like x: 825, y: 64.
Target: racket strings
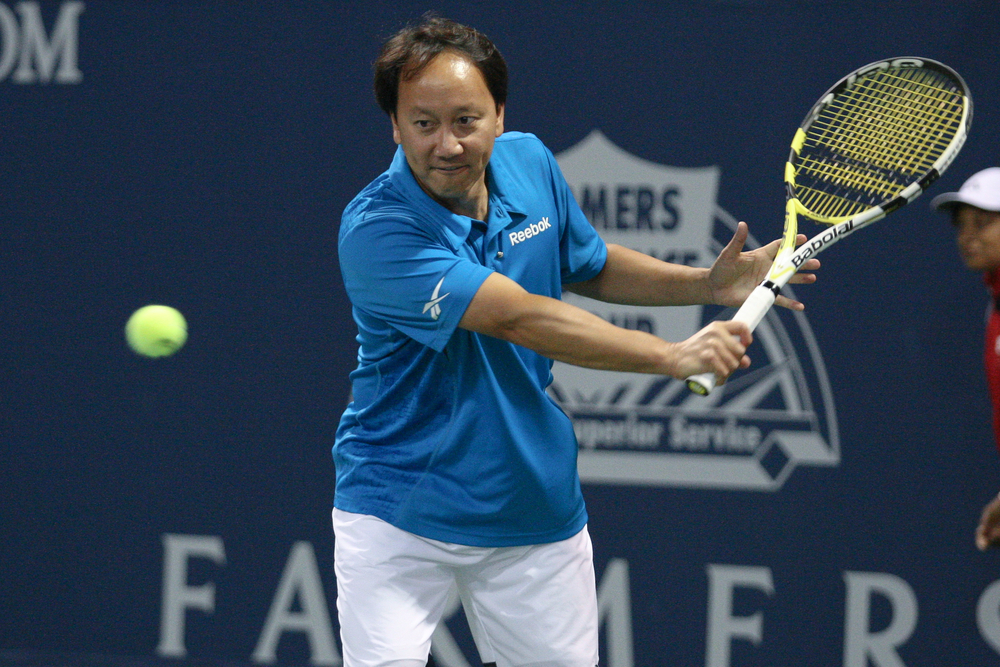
x: 876, y: 138
x: 879, y: 121
x: 900, y: 117
x: 879, y: 155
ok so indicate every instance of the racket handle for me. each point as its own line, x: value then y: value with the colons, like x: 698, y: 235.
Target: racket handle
x: 751, y: 313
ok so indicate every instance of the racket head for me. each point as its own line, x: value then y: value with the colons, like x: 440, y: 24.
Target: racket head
x: 877, y: 138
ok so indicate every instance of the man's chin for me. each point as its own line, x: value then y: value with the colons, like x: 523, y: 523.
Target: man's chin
x: 448, y: 192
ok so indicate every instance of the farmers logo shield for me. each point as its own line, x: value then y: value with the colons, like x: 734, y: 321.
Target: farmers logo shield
x: 752, y: 432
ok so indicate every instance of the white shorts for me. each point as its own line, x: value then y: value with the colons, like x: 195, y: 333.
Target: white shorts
x: 532, y: 605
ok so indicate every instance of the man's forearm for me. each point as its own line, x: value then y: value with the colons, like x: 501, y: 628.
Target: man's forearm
x: 563, y: 332
x: 632, y: 278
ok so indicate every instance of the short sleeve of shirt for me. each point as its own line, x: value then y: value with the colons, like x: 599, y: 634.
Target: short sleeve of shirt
x: 583, y: 252
x: 401, y: 275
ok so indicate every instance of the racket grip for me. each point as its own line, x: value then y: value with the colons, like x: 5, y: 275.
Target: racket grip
x: 751, y: 313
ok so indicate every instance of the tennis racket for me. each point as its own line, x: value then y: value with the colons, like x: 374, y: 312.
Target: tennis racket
x: 871, y: 144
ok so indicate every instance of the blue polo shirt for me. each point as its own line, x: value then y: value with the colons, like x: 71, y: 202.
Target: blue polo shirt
x: 450, y: 434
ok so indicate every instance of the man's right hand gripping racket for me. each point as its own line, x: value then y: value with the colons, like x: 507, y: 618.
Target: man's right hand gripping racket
x: 872, y: 143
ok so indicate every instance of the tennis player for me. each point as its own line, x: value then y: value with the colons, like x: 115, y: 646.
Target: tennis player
x: 455, y: 470
x: 975, y: 213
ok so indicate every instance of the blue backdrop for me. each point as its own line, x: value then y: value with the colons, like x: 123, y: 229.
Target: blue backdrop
x: 199, y: 154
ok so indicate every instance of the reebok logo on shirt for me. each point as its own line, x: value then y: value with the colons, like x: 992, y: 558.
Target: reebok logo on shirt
x: 534, y: 229
x: 432, y: 305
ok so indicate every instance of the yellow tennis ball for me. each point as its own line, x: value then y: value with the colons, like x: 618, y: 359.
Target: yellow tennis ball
x: 156, y: 331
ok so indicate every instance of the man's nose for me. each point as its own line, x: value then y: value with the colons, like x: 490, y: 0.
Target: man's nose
x: 448, y: 144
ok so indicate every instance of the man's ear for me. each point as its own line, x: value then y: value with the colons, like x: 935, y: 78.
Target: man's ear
x: 500, y: 110
x: 395, y: 129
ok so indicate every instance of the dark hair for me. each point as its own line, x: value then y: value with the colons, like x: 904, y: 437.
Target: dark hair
x: 409, y: 51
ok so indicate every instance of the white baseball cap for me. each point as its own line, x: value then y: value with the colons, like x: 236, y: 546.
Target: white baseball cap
x: 981, y: 190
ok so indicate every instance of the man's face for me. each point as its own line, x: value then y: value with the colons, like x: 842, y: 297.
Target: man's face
x: 446, y: 121
x: 978, y: 235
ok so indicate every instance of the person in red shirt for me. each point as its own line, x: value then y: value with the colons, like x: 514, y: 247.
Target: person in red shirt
x: 975, y: 213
